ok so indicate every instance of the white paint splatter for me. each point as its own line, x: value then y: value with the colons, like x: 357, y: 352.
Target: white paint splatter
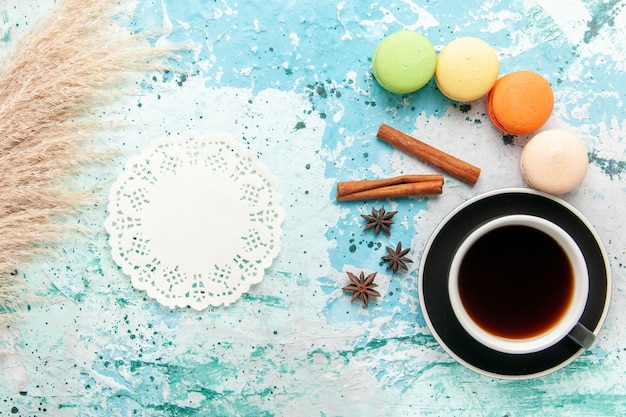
x: 294, y: 39
x: 571, y: 20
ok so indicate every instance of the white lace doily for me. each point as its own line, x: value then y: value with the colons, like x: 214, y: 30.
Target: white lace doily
x: 194, y: 220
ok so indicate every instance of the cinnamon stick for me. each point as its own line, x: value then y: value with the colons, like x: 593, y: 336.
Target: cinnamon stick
x: 350, y: 187
x: 363, y: 190
x: 429, y: 154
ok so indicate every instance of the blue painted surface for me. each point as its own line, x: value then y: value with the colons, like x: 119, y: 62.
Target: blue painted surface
x: 292, y: 81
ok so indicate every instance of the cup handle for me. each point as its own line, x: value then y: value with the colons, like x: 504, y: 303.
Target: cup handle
x: 582, y: 336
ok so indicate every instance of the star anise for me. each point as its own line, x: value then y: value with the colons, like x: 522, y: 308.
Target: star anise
x: 362, y: 286
x: 396, y: 258
x: 379, y: 219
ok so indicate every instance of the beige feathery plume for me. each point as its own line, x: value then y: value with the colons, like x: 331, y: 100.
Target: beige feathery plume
x: 50, y: 88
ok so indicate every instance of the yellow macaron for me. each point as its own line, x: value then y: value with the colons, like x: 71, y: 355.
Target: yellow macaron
x: 467, y: 68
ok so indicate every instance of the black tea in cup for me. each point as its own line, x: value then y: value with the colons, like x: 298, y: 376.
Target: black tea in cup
x: 516, y: 282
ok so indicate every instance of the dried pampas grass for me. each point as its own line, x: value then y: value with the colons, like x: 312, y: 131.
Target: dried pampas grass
x: 51, y: 85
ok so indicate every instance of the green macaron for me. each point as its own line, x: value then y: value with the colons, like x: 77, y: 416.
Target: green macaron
x: 404, y: 62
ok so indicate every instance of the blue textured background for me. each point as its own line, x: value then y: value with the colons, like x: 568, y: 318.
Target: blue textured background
x: 291, y: 80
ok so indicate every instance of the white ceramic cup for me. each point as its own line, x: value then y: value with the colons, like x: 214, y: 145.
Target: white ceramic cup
x: 568, y: 325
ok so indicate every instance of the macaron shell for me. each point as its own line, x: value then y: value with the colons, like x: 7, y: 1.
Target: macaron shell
x: 466, y: 70
x: 404, y: 62
x: 554, y: 161
x: 520, y: 102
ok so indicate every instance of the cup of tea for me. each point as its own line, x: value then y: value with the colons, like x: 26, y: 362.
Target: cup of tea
x: 518, y: 284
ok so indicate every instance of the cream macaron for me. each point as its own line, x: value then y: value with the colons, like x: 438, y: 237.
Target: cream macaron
x: 554, y: 161
x: 404, y: 62
x: 466, y: 70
